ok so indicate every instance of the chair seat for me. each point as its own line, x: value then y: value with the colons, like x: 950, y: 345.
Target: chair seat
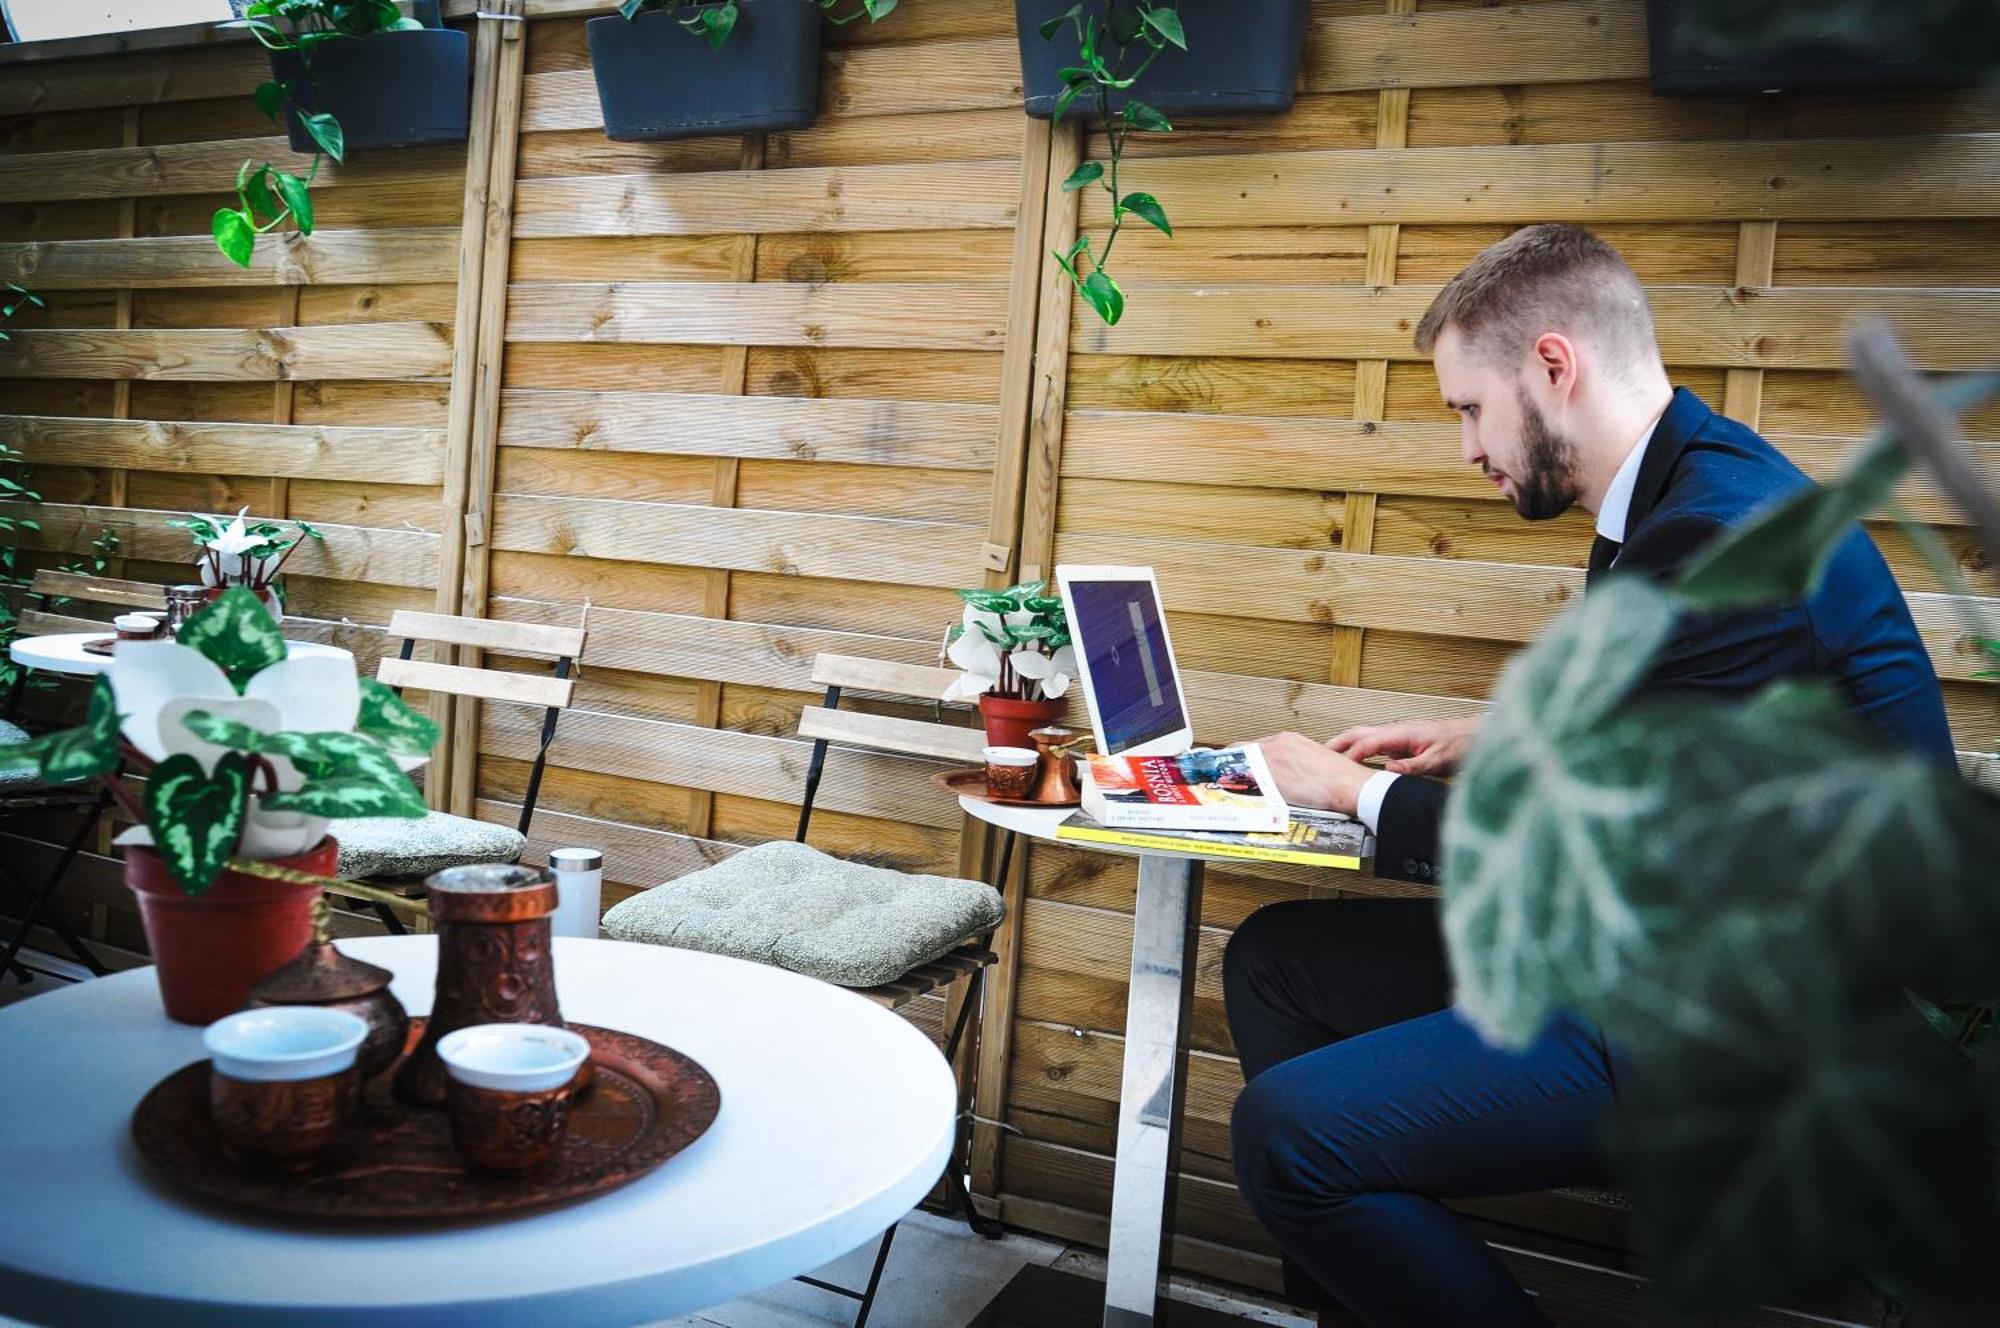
x: 383, y: 848
x: 13, y: 781
x: 793, y: 907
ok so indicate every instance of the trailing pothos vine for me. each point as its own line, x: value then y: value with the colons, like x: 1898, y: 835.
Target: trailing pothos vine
x: 714, y: 22
x: 1105, y: 47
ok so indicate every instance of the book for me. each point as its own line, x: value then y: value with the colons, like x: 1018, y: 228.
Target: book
x: 1228, y: 789
x: 1310, y: 839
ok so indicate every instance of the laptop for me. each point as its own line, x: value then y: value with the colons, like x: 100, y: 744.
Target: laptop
x: 1125, y: 661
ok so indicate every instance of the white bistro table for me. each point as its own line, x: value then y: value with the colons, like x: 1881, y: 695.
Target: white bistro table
x: 837, y: 1118
x: 63, y: 652
x: 1165, y: 924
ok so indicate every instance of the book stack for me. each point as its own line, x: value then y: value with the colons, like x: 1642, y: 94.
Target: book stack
x: 1207, y: 803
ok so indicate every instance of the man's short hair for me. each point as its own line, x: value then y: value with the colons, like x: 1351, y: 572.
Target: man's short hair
x: 1549, y: 278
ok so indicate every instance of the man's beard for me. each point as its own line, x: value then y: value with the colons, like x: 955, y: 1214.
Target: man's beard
x: 1548, y: 485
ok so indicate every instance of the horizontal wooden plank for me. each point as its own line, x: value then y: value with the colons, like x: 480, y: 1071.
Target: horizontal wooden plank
x: 487, y: 684
x: 133, y: 80
x: 892, y: 677
x: 1731, y: 328
x: 946, y: 435
x: 390, y: 256
x: 945, y: 195
x: 633, y: 855
x: 98, y: 589
x: 887, y: 733
x: 746, y: 764
x: 1934, y: 176
x: 1557, y: 42
x: 930, y: 553
x: 206, y: 167
x: 958, y: 316
x: 518, y: 638
x: 382, y: 351
x: 299, y: 451
x: 349, y: 553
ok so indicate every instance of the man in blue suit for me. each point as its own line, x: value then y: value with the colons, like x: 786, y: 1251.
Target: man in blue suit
x: 1368, y: 1099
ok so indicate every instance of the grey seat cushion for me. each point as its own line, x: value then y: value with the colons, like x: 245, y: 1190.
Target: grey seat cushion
x: 795, y: 907
x: 13, y: 735
x: 377, y: 846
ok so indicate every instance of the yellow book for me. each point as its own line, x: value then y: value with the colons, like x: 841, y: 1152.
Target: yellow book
x: 1312, y: 839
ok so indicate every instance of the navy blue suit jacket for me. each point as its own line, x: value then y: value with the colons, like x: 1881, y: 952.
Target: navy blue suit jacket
x: 1702, y: 473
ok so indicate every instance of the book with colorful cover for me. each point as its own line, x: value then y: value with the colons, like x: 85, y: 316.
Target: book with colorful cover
x: 1311, y: 839
x: 1228, y: 789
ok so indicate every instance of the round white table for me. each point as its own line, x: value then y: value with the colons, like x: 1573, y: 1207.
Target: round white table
x: 837, y: 1118
x: 63, y: 652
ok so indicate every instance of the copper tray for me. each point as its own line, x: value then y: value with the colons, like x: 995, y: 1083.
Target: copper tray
x: 648, y: 1103
x: 971, y: 783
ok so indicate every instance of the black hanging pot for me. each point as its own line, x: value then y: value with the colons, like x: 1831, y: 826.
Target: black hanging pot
x: 1242, y: 58
x: 1784, y: 46
x: 657, y: 80
x: 388, y: 89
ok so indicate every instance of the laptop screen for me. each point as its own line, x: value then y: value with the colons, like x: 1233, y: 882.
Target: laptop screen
x: 1116, y: 625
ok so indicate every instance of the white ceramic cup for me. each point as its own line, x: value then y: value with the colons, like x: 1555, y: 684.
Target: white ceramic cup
x: 513, y: 1058
x: 284, y: 1042
x: 1012, y: 756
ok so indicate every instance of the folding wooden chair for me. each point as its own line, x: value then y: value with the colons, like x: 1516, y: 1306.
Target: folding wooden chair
x: 383, y: 862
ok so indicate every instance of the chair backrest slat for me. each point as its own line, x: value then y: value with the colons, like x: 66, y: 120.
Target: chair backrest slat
x: 99, y: 589
x: 486, y: 684
x: 886, y: 733
x: 883, y: 675
x: 509, y: 638
x: 36, y: 623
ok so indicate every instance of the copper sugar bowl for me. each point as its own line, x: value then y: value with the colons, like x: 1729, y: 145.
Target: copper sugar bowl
x: 322, y: 975
x: 494, y: 963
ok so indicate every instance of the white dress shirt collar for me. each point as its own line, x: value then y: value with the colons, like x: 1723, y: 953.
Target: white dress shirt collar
x: 1617, y: 506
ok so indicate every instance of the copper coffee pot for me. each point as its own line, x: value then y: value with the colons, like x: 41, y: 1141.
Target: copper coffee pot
x: 494, y: 963
x: 1055, y: 781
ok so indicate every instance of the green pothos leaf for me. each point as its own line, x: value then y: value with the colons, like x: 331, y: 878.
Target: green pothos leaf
x: 196, y: 816
x: 388, y: 720
x: 237, y: 634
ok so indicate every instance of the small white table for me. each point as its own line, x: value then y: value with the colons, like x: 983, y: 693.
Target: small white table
x: 1166, y: 922
x: 837, y: 1118
x: 63, y: 652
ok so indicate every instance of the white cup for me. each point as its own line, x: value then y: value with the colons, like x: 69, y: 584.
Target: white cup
x: 282, y: 1043
x: 513, y: 1058
x: 1012, y: 756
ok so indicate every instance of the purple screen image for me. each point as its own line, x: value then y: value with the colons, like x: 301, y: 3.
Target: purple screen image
x: 1117, y: 626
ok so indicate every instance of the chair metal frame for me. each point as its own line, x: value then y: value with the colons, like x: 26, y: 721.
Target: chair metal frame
x: 970, y: 962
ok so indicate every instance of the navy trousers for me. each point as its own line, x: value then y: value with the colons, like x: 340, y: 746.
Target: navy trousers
x: 1369, y: 1100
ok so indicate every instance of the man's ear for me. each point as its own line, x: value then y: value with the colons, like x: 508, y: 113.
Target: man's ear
x: 1555, y: 359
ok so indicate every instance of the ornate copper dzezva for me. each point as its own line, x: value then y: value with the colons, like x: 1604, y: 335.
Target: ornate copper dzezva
x: 494, y: 965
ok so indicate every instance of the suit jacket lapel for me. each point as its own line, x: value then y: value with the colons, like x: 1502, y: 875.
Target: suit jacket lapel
x: 1685, y: 417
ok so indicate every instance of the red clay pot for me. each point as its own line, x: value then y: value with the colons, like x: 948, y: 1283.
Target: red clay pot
x: 209, y: 950
x: 1009, y: 722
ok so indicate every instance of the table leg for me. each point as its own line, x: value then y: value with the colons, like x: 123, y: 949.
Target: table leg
x: 1164, y: 928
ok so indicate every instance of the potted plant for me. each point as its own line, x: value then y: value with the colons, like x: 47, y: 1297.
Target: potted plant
x: 759, y: 69
x: 1014, y: 646
x: 247, y: 755
x: 1730, y: 47
x: 1238, y: 57
x: 249, y: 556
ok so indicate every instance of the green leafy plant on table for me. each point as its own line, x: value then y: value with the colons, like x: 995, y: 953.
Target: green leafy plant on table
x: 1012, y: 643
x: 247, y: 753
x: 714, y: 22
x: 1791, y: 928
x: 1106, y: 44
x: 267, y: 196
x: 236, y: 554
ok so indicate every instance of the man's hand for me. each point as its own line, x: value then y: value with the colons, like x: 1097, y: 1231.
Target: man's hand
x: 1415, y: 747
x: 1311, y: 775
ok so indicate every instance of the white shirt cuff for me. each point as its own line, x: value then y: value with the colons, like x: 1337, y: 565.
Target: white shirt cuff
x: 1368, y: 807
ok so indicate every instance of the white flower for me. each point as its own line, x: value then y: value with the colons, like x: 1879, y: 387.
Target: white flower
x: 1053, y: 672
x: 980, y: 659
x: 235, y: 540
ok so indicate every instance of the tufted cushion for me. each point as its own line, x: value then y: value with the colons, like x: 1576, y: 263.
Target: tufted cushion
x: 13, y: 735
x: 379, y: 846
x: 794, y: 907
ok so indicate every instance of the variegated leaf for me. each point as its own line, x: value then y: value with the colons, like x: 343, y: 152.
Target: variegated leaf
x: 237, y: 634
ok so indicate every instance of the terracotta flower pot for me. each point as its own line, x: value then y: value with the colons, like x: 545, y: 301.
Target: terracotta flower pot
x: 210, y: 949
x: 1009, y: 722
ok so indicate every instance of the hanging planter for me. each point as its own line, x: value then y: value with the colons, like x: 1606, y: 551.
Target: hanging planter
x: 392, y: 89
x: 657, y: 78
x: 1699, y: 49
x: 1242, y: 57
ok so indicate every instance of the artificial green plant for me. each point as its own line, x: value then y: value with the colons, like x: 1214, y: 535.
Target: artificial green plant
x: 1013, y: 643
x: 713, y: 21
x: 1108, y: 37
x: 247, y: 752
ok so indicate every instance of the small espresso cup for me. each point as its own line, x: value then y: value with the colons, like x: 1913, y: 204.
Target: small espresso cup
x: 138, y: 626
x: 284, y: 1081
x: 508, y: 1090
x: 1010, y: 771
